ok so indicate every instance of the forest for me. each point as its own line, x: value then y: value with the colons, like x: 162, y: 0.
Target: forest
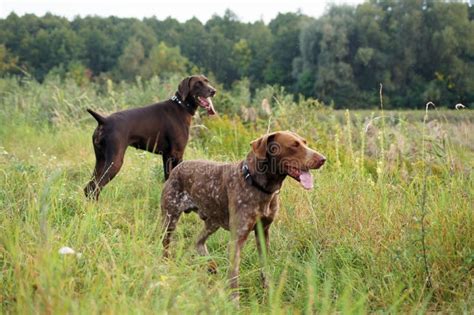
x: 419, y: 50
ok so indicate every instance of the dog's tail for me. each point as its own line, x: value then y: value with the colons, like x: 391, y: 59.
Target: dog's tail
x: 100, y: 119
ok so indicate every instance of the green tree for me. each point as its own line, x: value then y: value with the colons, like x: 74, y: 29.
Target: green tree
x: 242, y: 56
x: 7, y: 61
x: 195, y: 43
x: 164, y: 61
x: 452, y: 55
x: 259, y: 38
x: 131, y: 61
x: 101, y: 43
x: 326, y: 48
x: 370, y: 54
x: 224, y: 33
x: 285, y: 48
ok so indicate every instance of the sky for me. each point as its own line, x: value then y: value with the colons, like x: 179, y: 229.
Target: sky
x: 182, y: 10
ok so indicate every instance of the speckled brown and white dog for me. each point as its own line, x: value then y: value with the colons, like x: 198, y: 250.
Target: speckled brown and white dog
x: 236, y: 196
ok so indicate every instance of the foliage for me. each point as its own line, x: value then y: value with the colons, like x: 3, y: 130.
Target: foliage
x: 131, y: 61
x: 419, y: 50
x: 7, y: 62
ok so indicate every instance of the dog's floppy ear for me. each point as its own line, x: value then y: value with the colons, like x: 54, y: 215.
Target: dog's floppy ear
x: 184, y: 88
x: 260, y: 145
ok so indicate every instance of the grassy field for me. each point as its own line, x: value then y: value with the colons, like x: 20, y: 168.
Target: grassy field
x: 388, y: 227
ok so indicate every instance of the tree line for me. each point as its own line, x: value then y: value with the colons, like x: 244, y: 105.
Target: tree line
x: 420, y: 50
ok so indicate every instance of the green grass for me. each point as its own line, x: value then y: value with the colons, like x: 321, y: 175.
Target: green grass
x: 351, y: 245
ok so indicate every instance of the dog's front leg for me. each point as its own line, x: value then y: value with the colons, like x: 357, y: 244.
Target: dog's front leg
x: 240, y: 230
x: 263, y: 227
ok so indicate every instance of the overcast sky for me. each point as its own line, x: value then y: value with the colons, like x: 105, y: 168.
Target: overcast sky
x: 182, y: 10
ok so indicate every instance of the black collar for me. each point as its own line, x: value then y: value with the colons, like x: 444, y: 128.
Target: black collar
x: 248, y: 178
x: 188, y: 107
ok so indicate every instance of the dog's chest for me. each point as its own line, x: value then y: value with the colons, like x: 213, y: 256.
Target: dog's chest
x: 269, y: 209
x: 256, y: 204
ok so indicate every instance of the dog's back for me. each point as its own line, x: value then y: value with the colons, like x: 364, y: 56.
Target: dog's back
x: 202, y: 185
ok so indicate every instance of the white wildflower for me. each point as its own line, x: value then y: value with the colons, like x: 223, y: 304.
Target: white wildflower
x: 69, y: 251
x: 66, y: 251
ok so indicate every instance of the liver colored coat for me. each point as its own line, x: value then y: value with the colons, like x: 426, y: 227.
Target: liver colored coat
x: 161, y: 128
x: 236, y: 196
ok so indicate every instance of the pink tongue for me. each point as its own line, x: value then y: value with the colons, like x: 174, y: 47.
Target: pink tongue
x: 207, y: 104
x: 306, y: 179
x: 210, y: 110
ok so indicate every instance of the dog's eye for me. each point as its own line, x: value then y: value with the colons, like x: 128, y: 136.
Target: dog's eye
x: 296, y: 144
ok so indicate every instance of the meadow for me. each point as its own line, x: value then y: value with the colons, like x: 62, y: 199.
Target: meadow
x: 388, y: 227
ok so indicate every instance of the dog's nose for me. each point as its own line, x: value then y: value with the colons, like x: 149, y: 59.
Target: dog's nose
x: 322, y: 161
x: 212, y: 92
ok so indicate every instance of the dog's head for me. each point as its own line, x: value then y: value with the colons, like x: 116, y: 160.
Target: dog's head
x: 286, y: 153
x: 197, y: 89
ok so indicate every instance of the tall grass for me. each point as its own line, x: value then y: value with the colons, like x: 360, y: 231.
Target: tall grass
x: 351, y: 245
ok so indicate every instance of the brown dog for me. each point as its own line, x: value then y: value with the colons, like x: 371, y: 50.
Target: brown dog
x: 162, y: 128
x: 237, y: 196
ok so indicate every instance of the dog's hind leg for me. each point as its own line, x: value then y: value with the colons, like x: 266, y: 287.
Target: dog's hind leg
x: 92, y: 189
x: 201, y: 247
x: 109, y: 159
x: 170, y: 162
x: 169, y: 225
x: 170, y: 212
